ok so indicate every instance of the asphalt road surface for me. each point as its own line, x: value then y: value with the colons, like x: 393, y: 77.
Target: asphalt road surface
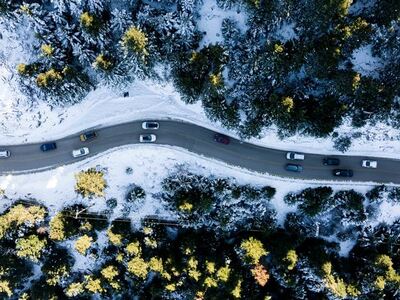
x: 196, y: 139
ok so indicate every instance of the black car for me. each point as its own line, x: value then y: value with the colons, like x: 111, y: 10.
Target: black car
x: 331, y: 161
x: 87, y: 136
x: 293, y: 168
x: 220, y: 138
x: 343, y: 173
x: 48, y: 147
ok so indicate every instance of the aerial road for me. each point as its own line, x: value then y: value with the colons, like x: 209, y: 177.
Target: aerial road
x: 28, y: 157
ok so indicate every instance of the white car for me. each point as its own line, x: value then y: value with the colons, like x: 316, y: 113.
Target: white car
x: 4, y: 153
x: 366, y: 163
x: 150, y: 125
x: 147, y: 138
x: 294, y: 156
x: 80, y: 152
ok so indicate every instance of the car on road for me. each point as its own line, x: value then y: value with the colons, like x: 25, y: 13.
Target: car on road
x: 48, y: 147
x: 294, y: 168
x: 330, y: 161
x: 343, y: 172
x: 80, y: 152
x: 4, y: 153
x: 150, y: 125
x: 147, y: 138
x: 367, y: 163
x: 87, y: 136
x: 220, y: 138
x: 294, y: 156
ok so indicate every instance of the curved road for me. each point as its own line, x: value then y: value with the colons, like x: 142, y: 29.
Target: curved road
x: 199, y: 140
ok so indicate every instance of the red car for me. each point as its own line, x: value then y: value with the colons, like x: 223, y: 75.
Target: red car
x: 220, y: 138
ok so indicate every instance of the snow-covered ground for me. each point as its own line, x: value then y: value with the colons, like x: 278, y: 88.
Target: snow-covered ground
x: 286, y: 32
x: 24, y: 122
x: 365, y: 62
x: 55, y: 188
x: 211, y: 17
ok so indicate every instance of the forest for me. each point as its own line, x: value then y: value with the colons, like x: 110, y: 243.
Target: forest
x: 205, y: 252
x: 309, y: 82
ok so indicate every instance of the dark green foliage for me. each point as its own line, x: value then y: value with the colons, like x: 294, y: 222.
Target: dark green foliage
x: 200, y: 200
x: 76, y: 216
x: 311, y: 201
x: 342, y: 143
x: 349, y: 205
x: 241, y: 80
x: 112, y: 203
x: 192, y: 71
x: 135, y: 193
x: 381, y: 193
x: 394, y: 194
x: 376, y: 193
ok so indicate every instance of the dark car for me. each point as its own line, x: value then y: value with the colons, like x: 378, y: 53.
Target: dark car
x: 293, y: 168
x: 331, y: 161
x: 220, y: 138
x: 87, y: 136
x: 150, y: 125
x: 343, y: 173
x: 48, y: 147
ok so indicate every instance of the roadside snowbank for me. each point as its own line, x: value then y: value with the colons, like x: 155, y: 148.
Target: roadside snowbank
x: 55, y: 188
x: 20, y: 122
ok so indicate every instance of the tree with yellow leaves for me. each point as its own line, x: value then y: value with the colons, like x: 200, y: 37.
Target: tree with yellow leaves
x: 90, y: 183
x: 57, y: 230
x: 49, y: 78
x: 253, y: 250
x: 134, y: 40
x: 103, y: 62
x: 83, y: 243
x: 138, y: 267
x: 30, y: 247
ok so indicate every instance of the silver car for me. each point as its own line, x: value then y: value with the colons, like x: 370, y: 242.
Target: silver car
x: 294, y: 156
x: 4, y: 153
x: 367, y: 163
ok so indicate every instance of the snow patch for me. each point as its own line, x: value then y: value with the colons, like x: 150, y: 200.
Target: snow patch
x: 345, y: 247
x: 286, y: 32
x: 365, y: 63
x: 210, y: 22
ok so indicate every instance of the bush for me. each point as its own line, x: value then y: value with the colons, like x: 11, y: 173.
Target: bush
x: 90, y: 183
x: 342, y: 143
x: 111, y: 203
x: 30, y: 247
x: 135, y: 193
x: 311, y: 201
x: 83, y: 243
x: 376, y: 193
x: 135, y: 40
